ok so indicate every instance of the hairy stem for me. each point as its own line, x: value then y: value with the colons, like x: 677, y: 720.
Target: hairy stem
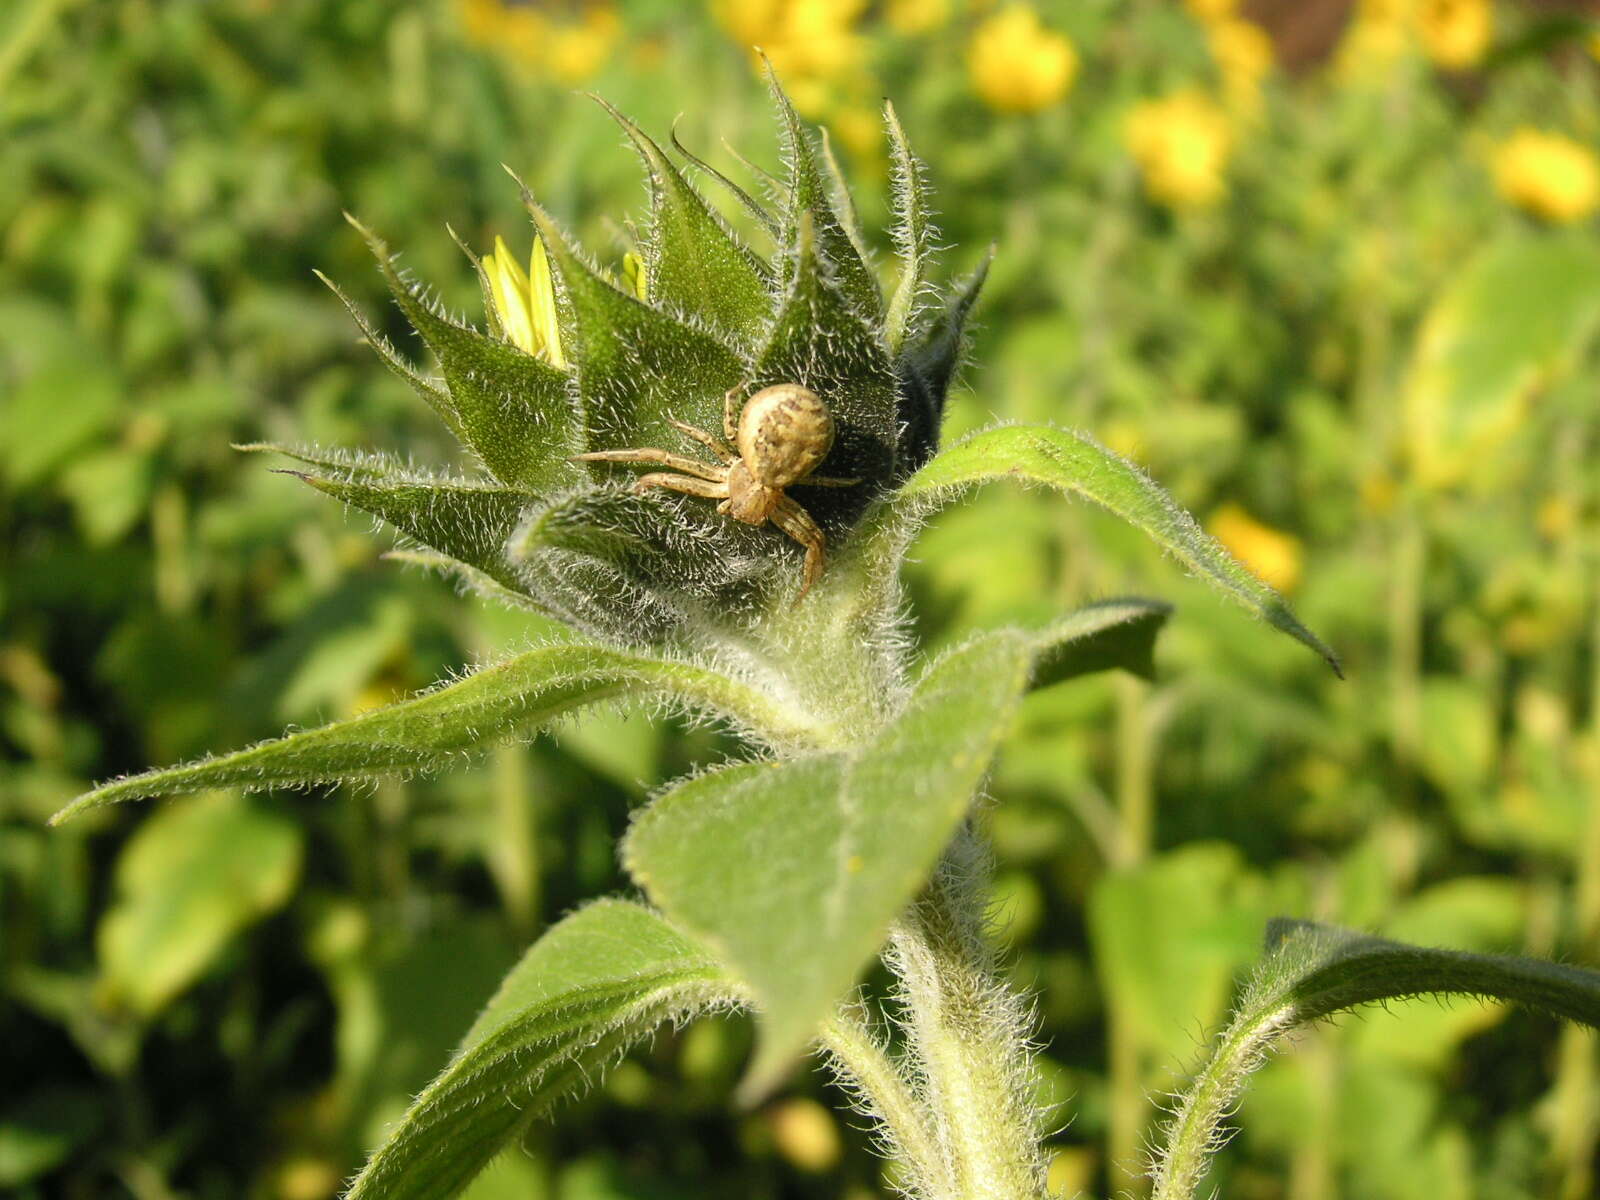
x: 1317, y: 972
x: 966, y: 1031
x: 859, y: 1059
x: 1135, y: 809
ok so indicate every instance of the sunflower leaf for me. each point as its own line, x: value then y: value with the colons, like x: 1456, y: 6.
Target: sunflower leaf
x: 511, y: 698
x: 808, y: 198
x: 596, y: 982
x: 818, y: 340
x: 694, y: 262
x: 637, y: 366
x: 463, y: 521
x: 913, y: 232
x: 1075, y: 463
x: 514, y: 411
x: 793, y: 870
x: 660, y: 562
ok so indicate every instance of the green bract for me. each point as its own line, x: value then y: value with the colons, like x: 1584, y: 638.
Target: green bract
x: 774, y: 881
x: 705, y: 314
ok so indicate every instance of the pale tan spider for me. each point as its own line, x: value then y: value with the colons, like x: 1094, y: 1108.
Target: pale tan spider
x: 783, y: 434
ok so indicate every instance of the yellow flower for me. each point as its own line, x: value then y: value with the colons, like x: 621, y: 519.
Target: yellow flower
x: 1548, y: 174
x: 860, y: 130
x: 1376, y: 37
x: 806, y: 1134
x: 1019, y: 66
x: 1243, y: 54
x: 1212, y: 10
x: 911, y: 17
x: 1270, y: 553
x: 570, y: 52
x: 577, y: 51
x: 813, y: 44
x: 1455, y: 33
x: 1181, y: 143
x: 525, y: 301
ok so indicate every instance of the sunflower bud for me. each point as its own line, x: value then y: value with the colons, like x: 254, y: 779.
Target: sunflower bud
x: 578, y: 362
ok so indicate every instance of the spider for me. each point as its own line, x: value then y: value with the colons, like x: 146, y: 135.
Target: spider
x: 783, y: 434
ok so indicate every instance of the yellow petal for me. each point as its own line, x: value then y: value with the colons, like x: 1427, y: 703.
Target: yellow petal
x: 510, y: 288
x: 542, y: 305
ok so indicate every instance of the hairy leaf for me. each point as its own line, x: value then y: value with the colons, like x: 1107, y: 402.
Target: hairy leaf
x: 659, y: 563
x: 515, y: 411
x: 436, y: 397
x: 637, y: 365
x: 511, y: 698
x: 468, y: 523
x: 793, y: 870
x: 1100, y: 637
x: 818, y: 340
x: 192, y: 876
x: 928, y: 368
x: 1314, y: 971
x: 1076, y: 463
x: 695, y: 264
x: 913, y: 232
x: 594, y: 983
x: 759, y: 212
x: 808, y: 201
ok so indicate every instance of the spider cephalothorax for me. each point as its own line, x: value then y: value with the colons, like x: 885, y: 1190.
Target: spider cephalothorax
x: 782, y: 435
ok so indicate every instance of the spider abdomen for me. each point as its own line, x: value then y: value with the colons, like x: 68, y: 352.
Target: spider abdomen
x: 785, y: 432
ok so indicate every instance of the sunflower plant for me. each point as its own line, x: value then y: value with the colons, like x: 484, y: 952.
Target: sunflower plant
x: 842, y: 835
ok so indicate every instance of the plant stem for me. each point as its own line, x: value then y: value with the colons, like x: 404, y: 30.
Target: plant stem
x: 1405, y: 639
x: 512, y: 852
x: 966, y: 1032
x: 1578, y: 1127
x: 1135, y: 806
x: 858, y: 1057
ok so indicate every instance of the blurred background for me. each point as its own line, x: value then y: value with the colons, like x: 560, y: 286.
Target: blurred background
x: 1330, y: 270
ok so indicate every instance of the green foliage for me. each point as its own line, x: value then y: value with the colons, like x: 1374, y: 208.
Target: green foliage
x: 793, y: 870
x: 1480, y: 361
x: 1312, y: 972
x: 511, y: 698
x: 595, y: 983
x: 196, y: 874
x: 1076, y: 463
x: 169, y: 176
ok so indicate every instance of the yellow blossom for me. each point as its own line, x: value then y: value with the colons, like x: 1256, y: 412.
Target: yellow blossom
x: 576, y: 51
x: 814, y: 45
x: 1548, y: 174
x: 1019, y: 66
x: 911, y: 17
x: 1212, y: 10
x: 1378, y: 34
x: 1243, y: 53
x: 525, y: 301
x: 569, y: 51
x: 1455, y: 33
x: 1181, y: 143
x: 633, y: 271
x: 860, y: 130
x: 1270, y: 553
x: 806, y: 1134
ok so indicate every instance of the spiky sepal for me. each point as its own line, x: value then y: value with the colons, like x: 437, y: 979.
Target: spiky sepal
x: 701, y: 312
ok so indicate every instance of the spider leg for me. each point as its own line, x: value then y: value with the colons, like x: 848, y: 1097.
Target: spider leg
x: 709, y: 488
x: 709, y: 440
x: 797, y: 523
x: 732, y: 401
x: 825, y: 481
x: 660, y: 458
